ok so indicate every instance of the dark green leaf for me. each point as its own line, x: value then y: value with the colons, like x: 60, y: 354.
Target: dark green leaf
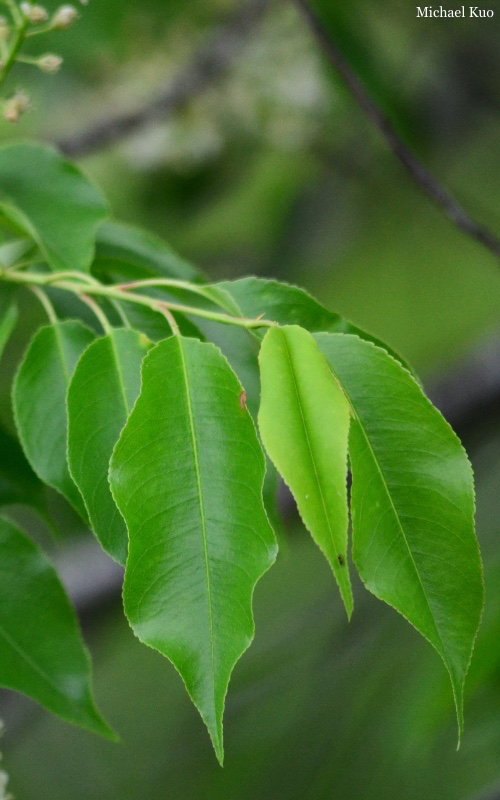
x: 39, y: 399
x: 290, y: 305
x: 127, y: 253
x: 18, y: 482
x: 304, y: 425
x: 104, y: 388
x: 187, y: 475
x: 42, y: 653
x: 412, y: 503
x: 51, y: 201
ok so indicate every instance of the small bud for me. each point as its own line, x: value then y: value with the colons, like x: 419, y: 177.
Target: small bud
x: 49, y: 62
x: 34, y: 14
x: 64, y: 17
x: 15, y: 106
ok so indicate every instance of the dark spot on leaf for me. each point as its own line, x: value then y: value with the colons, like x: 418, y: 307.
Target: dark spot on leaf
x: 341, y: 560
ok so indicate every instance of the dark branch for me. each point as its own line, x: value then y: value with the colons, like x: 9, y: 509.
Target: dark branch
x: 418, y: 171
x: 207, y: 65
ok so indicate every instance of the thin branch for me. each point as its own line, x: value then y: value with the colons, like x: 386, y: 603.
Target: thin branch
x: 208, y: 64
x: 418, y: 171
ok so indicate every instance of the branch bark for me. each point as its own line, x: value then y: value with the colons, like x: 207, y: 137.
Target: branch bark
x: 416, y: 169
x: 207, y: 65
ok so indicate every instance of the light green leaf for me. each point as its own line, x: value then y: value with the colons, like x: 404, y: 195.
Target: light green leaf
x: 50, y: 200
x: 42, y: 653
x: 187, y: 475
x: 127, y: 253
x: 304, y: 425
x: 8, y: 321
x: 39, y: 399
x: 102, y: 393
x: 412, y: 503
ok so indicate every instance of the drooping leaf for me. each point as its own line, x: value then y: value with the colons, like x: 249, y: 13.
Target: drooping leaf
x: 8, y: 321
x: 127, y: 253
x: 50, y: 200
x: 103, y: 390
x: 291, y: 305
x: 187, y: 475
x: 412, y: 503
x: 42, y: 653
x: 304, y: 425
x: 39, y: 400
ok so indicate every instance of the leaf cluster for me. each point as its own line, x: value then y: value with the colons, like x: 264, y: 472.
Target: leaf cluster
x: 166, y: 424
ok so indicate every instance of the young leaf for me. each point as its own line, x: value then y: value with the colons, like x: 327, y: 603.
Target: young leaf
x: 42, y: 653
x: 412, y: 503
x: 39, y: 399
x: 101, y: 395
x: 304, y: 425
x: 50, y: 200
x: 187, y: 475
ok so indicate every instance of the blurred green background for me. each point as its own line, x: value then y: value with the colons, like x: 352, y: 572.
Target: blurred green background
x: 274, y: 171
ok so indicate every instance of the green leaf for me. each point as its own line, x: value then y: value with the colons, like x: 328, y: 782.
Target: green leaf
x: 39, y: 399
x: 18, y: 482
x: 127, y: 253
x: 304, y: 425
x: 290, y: 305
x: 42, y: 653
x: 155, y: 325
x: 50, y: 200
x: 412, y: 503
x: 102, y: 393
x: 187, y: 475
x: 8, y: 321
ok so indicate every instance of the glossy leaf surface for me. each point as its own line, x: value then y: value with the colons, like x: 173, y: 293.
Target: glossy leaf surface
x: 42, y: 653
x: 412, y: 503
x: 187, y: 475
x: 51, y: 201
x: 101, y: 395
x: 39, y: 399
x: 304, y: 425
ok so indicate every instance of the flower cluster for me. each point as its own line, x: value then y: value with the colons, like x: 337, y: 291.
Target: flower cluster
x: 28, y: 19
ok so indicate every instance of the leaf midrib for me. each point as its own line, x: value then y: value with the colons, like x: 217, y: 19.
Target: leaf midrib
x: 394, y: 509
x: 318, y: 481
x: 202, y: 509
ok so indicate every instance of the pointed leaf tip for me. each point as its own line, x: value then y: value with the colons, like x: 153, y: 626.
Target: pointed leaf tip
x: 412, y: 499
x: 187, y: 475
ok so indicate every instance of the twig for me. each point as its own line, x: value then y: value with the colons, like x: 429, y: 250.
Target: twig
x: 418, y: 171
x: 206, y: 66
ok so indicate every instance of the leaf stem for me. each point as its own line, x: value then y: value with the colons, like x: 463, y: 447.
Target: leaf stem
x: 101, y: 316
x: 116, y: 293
x: 21, y: 23
x: 44, y: 300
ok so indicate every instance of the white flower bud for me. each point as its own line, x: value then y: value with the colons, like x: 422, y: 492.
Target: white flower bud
x: 64, y: 17
x: 34, y: 14
x: 49, y: 62
x: 15, y: 106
